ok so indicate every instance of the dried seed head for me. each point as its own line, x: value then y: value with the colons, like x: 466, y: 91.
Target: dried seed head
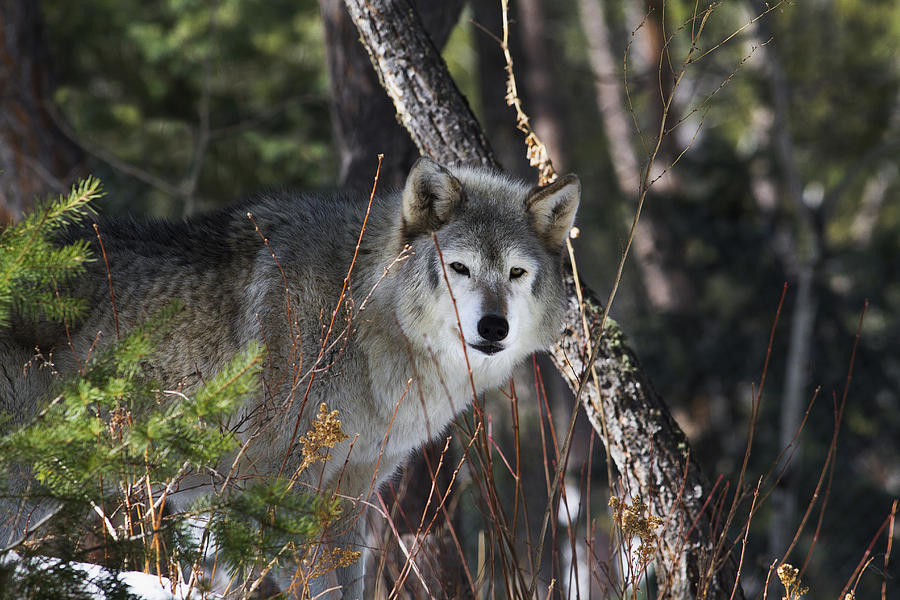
x: 636, y: 522
x: 789, y: 576
x: 325, y: 433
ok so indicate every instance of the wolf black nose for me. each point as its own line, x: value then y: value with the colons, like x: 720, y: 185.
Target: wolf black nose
x: 493, y: 328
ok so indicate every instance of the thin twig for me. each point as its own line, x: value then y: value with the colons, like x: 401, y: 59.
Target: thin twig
x: 112, y: 294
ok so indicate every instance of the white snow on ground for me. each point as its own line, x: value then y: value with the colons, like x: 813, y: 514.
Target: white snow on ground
x: 142, y: 585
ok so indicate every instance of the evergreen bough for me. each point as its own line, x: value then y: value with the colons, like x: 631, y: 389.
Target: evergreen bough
x: 109, y: 446
x: 31, y: 265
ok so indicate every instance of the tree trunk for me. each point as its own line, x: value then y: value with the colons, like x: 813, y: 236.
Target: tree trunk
x: 804, y: 266
x: 35, y: 157
x: 417, y: 80
x: 541, y: 87
x: 363, y: 117
x: 647, y: 446
x: 500, y: 129
x: 667, y: 288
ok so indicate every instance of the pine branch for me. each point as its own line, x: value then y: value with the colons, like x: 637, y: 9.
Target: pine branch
x: 31, y: 264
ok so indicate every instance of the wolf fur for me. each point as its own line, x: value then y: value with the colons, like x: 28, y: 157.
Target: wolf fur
x: 393, y: 364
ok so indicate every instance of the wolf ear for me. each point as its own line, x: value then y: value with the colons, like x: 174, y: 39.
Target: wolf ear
x: 551, y: 209
x: 430, y: 195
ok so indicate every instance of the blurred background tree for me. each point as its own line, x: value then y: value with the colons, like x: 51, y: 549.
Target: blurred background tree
x: 184, y: 105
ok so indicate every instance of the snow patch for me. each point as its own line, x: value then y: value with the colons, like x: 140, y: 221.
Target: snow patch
x: 142, y: 585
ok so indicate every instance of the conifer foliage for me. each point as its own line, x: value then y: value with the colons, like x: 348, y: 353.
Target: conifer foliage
x: 109, y: 447
x: 31, y: 266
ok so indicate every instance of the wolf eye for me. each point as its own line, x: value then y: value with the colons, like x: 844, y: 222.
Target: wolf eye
x: 516, y: 272
x: 460, y: 268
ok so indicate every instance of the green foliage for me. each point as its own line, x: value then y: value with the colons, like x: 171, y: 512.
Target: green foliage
x: 111, y: 440
x: 32, y: 266
x: 263, y: 524
x: 233, y: 93
x: 110, y: 424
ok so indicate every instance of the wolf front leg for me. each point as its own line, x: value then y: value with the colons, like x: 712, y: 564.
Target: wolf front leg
x: 344, y: 583
x: 347, y: 581
x: 352, y: 537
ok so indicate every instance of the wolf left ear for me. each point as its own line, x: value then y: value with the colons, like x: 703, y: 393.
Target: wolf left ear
x: 551, y: 210
x: 430, y: 195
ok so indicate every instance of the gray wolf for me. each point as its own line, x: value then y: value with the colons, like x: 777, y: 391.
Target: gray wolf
x: 456, y: 248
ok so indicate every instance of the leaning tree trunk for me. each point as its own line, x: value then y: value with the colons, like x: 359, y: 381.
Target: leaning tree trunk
x: 648, y: 448
x: 418, y: 90
x: 363, y: 118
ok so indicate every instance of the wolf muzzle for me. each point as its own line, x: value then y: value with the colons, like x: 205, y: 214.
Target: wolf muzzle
x: 494, y: 329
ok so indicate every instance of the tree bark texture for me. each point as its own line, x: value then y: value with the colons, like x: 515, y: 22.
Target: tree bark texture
x: 648, y: 448
x: 650, y: 451
x: 417, y: 80
x: 363, y: 117
x: 35, y: 157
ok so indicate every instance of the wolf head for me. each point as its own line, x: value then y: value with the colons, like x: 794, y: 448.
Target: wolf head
x: 499, y: 247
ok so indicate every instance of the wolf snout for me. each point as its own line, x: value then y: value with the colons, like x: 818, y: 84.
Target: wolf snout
x: 493, y: 328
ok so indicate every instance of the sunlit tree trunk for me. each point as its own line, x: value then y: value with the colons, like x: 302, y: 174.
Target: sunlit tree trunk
x: 35, y: 157
x: 540, y: 81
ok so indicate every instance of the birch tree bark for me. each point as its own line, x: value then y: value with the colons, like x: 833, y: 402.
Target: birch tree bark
x: 648, y: 448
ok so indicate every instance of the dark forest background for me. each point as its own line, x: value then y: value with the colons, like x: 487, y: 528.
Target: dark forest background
x: 790, y: 173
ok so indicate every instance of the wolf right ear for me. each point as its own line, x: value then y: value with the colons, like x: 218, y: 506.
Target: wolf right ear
x: 551, y: 210
x: 429, y: 197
